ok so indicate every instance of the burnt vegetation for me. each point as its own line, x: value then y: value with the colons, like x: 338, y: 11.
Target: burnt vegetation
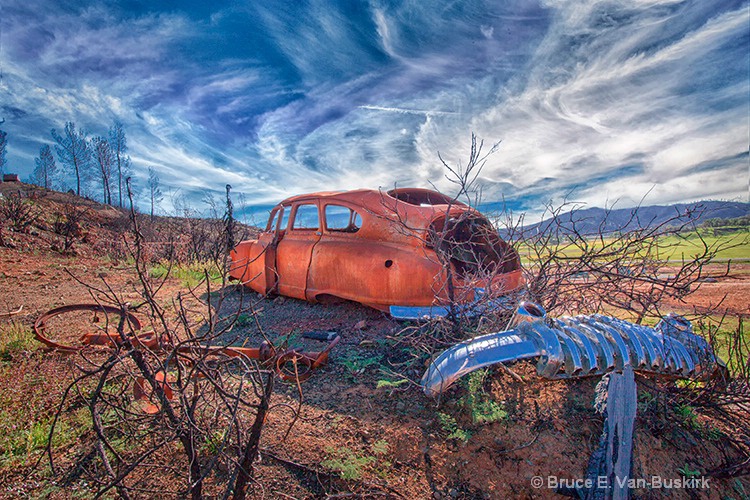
x: 164, y: 413
x: 141, y: 394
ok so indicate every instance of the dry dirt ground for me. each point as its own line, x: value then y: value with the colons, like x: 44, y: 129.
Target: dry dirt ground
x: 394, y: 440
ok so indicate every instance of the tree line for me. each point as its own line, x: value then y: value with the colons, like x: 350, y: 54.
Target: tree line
x: 95, y: 167
x: 733, y: 222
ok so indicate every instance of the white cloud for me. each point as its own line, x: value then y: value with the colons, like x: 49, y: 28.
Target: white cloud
x: 610, y: 98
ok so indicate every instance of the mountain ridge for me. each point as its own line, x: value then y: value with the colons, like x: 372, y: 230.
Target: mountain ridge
x: 593, y: 220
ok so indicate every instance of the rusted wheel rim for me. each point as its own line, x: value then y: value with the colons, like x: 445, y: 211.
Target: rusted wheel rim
x: 42, y: 335
x: 292, y: 366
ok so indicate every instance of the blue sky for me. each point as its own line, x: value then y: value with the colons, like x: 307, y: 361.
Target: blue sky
x: 594, y: 101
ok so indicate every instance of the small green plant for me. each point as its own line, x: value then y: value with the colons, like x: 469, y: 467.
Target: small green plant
x: 37, y: 436
x: 21, y: 440
x: 380, y: 447
x: 646, y: 400
x: 390, y: 384
x: 483, y: 409
x: 686, y: 472
x: 711, y: 433
x: 356, y: 364
x: 214, y: 443
x: 477, y: 403
x: 740, y: 489
x: 14, y: 339
x: 347, y: 463
x: 244, y: 320
x: 690, y: 384
x: 689, y: 419
x: 451, y: 429
x: 487, y: 412
x: 687, y: 416
x: 159, y: 271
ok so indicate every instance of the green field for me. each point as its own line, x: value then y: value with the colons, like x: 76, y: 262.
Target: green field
x: 731, y: 246
x: 734, y: 246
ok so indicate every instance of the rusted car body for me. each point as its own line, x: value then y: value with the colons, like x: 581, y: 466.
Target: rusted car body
x: 377, y: 248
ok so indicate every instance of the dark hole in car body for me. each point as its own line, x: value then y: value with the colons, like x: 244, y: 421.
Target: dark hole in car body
x: 472, y: 245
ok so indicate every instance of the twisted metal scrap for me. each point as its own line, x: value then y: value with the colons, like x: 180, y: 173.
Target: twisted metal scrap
x: 302, y: 363
x: 579, y: 346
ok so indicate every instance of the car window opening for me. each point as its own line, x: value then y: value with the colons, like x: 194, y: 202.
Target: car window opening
x: 342, y: 219
x: 306, y: 218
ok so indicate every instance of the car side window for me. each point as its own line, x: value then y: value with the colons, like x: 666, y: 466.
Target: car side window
x: 342, y: 219
x: 306, y: 217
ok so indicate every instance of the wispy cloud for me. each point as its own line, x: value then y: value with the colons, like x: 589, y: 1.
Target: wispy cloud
x: 601, y: 99
x: 407, y: 111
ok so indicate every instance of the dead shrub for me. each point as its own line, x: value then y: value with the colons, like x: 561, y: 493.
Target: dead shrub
x: 201, y: 412
x: 19, y: 213
x: 69, y: 225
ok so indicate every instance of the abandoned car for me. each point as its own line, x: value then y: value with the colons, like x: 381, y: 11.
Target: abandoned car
x: 403, y: 247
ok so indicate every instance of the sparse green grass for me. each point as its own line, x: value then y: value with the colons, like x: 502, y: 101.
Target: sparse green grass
x: 682, y: 414
x: 477, y: 403
x: 728, y: 338
x: 214, y: 443
x: 380, y: 447
x: 244, y: 320
x: 356, y: 364
x: 191, y: 275
x: 347, y: 463
x: 733, y: 246
x: 451, y: 429
x: 23, y: 437
x: 689, y: 419
x: 15, y: 338
x: 351, y: 465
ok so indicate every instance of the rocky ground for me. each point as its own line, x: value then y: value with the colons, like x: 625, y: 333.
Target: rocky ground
x: 355, y: 435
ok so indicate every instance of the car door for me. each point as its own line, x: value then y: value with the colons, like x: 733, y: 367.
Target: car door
x: 268, y: 242
x: 338, y: 256
x: 294, y: 249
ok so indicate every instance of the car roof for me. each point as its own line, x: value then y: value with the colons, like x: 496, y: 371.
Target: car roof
x: 413, y: 197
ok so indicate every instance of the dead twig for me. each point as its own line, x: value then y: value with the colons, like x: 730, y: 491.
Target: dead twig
x: 520, y: 447
x: 11, y: 313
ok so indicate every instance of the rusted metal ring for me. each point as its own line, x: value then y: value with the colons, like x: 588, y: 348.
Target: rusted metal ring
x: 40, y: 324
x: 303, y: 366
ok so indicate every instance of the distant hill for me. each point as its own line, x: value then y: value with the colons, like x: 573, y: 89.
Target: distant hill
x: 595, y: 220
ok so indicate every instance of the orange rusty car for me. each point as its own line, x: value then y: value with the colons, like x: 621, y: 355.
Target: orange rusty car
x: 412, y: 248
